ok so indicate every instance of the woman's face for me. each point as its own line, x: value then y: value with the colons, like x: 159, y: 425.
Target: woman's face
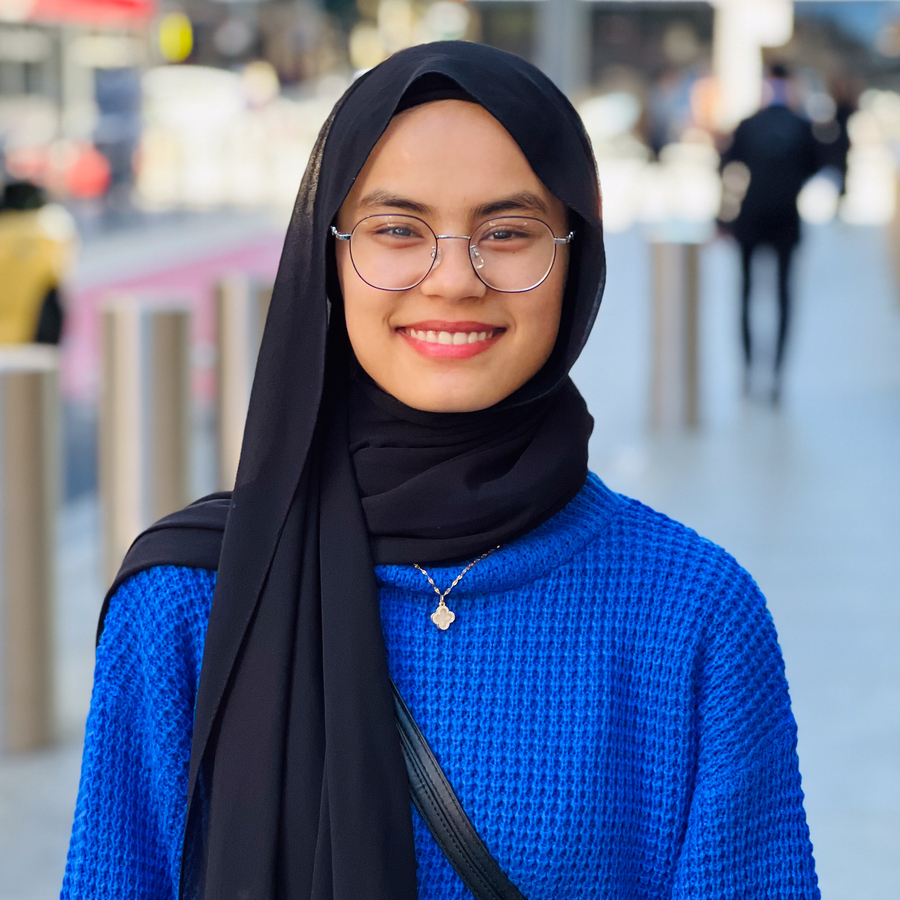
x: 453, y: 165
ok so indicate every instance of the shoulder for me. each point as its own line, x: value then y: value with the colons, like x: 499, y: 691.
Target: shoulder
x: 684, y: 599
x: 190, y: 539
x: 601, y: 520
x: 750, y: 123
x: 646, y: 553
x: 158, y: 612
x: 639, y: 532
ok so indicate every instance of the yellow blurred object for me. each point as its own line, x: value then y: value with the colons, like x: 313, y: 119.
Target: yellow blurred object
x: 366, y: 46
x: 176, y: 37
x: 36, y: 248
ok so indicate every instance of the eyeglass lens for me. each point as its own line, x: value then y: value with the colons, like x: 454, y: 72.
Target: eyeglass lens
x: 395, y: 253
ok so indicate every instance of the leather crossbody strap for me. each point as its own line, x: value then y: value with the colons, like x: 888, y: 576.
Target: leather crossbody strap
x: 443, y: 813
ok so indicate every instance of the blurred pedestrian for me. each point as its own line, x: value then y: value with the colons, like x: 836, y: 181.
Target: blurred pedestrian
x: 668, y: 109
x: 773, y: 153
x: 834, y: 135
x: 604, y: 690
x: 36, y: 244
x: 117, y: 135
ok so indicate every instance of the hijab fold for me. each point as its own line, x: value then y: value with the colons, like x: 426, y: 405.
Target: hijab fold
x: 437, y: 487
x: 297, y: 786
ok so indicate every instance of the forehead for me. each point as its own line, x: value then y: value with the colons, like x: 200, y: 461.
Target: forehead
x: 449, y: 155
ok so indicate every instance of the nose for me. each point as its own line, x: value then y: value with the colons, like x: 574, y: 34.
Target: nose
x: 452, y: 276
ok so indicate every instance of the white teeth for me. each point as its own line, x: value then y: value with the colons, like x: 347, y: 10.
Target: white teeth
x: 454, y: 338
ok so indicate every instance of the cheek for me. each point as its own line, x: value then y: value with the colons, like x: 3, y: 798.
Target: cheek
x: 357, y: 302
x: 366, y: 314
x: 345, y: 271
x: 545, y: 317
x: 362, y: 317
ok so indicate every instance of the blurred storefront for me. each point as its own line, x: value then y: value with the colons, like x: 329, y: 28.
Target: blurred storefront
x: 206, y: 103
x: 301, y: 39
x: 69, y: 107
x: 99, y: 97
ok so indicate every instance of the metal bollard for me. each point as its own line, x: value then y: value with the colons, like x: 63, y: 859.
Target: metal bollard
x: 676, y: 283
x: 29, y: 502
x: 144, y: 420
x: 241, y: 309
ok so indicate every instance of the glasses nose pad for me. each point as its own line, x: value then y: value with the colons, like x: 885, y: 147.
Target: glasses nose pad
x: 436, y: 256
x: 477, y: 258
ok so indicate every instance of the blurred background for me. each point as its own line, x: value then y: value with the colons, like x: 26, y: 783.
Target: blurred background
x: 150, y: 152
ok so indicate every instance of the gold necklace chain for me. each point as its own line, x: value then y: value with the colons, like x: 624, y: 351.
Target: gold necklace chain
x: 443, y: 616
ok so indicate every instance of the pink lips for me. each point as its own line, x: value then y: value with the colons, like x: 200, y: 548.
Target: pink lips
x: 451, y: 340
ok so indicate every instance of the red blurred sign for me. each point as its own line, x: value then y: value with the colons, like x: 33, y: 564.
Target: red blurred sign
x: 93, y: 12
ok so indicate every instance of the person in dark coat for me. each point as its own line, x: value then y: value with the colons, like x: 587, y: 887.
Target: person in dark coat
x: 771, y: 156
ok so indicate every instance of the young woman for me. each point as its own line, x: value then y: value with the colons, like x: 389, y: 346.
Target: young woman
x: 602, y: 687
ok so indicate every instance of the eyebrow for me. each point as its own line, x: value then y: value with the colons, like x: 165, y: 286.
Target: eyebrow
x: 378, y: 198
x: 524, y: 200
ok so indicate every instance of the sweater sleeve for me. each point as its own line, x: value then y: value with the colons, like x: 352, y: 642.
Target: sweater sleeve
x: 129, y: 818
x: 746, y: 834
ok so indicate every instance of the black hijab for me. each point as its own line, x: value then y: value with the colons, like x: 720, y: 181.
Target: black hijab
x: 297, y: 786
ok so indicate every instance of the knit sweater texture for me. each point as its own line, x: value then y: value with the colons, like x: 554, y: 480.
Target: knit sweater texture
x: 610, y: 706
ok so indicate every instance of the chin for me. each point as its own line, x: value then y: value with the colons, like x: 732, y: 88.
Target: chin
x: 447, y: 405
x: 445, y: 399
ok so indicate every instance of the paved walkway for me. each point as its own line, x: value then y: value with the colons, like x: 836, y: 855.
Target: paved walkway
x: 807, y: 497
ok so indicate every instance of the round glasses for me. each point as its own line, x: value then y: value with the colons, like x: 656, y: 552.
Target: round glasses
x: 512, y: 254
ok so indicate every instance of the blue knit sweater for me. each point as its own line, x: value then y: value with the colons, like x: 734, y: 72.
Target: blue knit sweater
x: 610, y: 706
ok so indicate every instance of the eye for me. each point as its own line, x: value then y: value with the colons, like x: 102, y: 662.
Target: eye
x: 504, y: 234
x: 507, y: 237
x: 512, y: 233
x: 397, y: 231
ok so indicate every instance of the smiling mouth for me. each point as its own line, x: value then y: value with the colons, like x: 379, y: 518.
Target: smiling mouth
x: 451, y: 338
x: 450, y: 341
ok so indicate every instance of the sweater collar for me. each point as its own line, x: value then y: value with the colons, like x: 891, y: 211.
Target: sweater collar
x: 549, y: 546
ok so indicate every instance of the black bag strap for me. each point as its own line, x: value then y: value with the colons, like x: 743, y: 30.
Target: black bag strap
x: 439, y: 806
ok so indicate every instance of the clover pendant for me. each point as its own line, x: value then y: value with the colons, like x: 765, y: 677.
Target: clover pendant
x: 443, y: 616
